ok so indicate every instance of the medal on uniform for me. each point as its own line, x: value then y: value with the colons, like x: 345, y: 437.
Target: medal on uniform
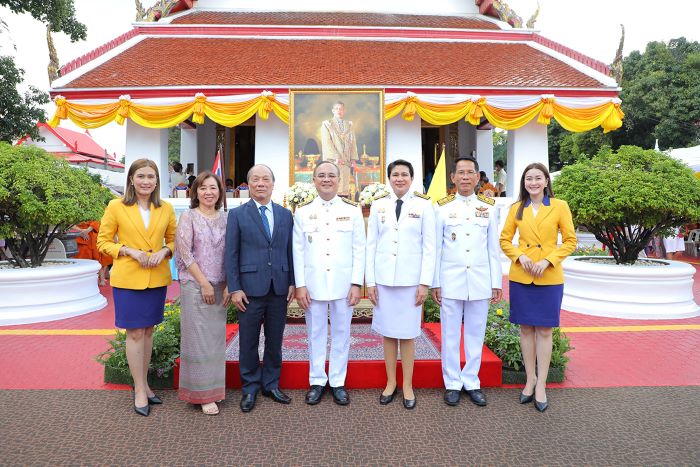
x: 454, y: 236
x: 312, y: 217
x: 453, y: 215
x: 309, y: 238
x: 383, y: 218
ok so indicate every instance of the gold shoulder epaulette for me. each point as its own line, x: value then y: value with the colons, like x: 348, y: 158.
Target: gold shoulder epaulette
x: 486, y: 199
x: 349, y: 201
x: 446, y: 200
x: 380, y: 196
x: 421, y: 195
x: 304, y: 203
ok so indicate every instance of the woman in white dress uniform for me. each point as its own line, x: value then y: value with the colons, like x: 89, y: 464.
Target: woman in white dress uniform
x: 399, y: 271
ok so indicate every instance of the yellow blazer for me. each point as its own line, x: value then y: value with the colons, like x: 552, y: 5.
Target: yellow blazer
x: 126, y: 224
x: 538, y: 240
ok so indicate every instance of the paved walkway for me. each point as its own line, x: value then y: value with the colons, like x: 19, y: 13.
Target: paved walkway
x: 613, y: 426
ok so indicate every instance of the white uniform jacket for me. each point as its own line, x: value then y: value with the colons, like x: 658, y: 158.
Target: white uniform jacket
x: 468, y: 266
x: 328, y: 248
x: 400, y: 253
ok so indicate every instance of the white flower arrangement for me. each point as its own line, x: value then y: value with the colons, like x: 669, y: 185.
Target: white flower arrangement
x: 300, y: 193
x: 371, y: 192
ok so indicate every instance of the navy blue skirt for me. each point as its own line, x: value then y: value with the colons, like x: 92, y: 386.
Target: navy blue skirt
x: 138, y: 308
x: 535, y: 305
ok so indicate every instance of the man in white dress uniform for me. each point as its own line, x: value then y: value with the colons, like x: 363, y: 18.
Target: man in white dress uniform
x: 329, y: 262
x: 467, y: 276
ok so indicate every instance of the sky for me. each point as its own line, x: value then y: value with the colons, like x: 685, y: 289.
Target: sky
x: 591, y: 27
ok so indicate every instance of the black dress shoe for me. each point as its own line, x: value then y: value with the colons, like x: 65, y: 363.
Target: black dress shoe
x: 314, y: 395
x: 541, y: 406
x: 384, y: 400
x: 451, y: 397
x: 145, y: 410
x: 248, y: 402
x: 409, y: 403
x: 277, y: 395
x: 340, y: 395
x: 526, y: 399
x: 477, y: 397
x: 154, y: 400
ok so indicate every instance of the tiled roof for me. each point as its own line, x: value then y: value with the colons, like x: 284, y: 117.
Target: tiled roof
x: 335, y: 19
x: 187, y: 61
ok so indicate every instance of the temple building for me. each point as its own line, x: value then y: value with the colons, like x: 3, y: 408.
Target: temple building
x: 263, y: 80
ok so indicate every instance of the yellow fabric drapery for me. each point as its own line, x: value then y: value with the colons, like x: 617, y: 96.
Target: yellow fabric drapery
x: 166, y: 116
x: 607, y: 115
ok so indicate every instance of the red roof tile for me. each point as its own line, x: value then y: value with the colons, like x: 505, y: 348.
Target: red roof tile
x: 334, y: 19
x: 201, y: 62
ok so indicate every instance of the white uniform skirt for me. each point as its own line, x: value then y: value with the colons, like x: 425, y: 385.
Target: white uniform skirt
x: 673, y: 244
x: 396, y: 314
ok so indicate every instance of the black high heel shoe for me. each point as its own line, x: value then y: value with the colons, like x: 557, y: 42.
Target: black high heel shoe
x: 384, y: 400
x: 526, y: 399
x: 541, y: 406
x: 145, y: 410
x: 154, y: 400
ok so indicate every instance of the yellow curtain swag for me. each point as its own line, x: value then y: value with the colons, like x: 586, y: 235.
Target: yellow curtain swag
x: 607, y: 115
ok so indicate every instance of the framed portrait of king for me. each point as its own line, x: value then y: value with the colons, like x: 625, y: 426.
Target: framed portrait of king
x: 345, y: 127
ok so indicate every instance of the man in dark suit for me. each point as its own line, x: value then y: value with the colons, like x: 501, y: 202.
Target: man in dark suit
x: 260, y: 278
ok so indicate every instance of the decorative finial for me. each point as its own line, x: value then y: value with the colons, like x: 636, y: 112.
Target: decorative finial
x: 616, y: 67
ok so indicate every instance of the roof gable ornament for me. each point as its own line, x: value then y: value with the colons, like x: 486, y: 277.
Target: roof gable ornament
x: 161, y: 9
x: 500, y: 10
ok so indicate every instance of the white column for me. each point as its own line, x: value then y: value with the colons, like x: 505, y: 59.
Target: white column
x: 149, y: 143
x: 484, y: 151
x: 206, y: 145
x: 526, y: 145
x: 188, y: 148
x: 272, y: 149
x: 403, y: 141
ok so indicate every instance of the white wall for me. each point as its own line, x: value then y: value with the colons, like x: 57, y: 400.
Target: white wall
x: 51, y: 142
x: 438, y: 7
x: 526, y: 145
x: 403, y: 141
x: 188, y: 148
x: 149, y: 143
x: 272, y: 149
x: 484, y: 151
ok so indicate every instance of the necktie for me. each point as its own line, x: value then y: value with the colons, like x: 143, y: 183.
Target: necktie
x: 399, y: 202
x: 265, y: 222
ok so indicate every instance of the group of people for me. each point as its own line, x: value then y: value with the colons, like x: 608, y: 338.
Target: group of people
x: 260, y: 257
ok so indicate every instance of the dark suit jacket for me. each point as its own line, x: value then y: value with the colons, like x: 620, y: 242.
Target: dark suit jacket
x: 254, y: 263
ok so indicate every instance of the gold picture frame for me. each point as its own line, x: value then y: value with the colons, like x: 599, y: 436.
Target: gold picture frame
x: 352, y: 135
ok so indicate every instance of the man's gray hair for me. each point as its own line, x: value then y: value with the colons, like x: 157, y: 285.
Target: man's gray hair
x: 247, y: 177
x: 337, y: 170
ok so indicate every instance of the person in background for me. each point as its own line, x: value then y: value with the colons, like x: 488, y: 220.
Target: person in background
x: 145, y: 226
x: 189, y: 174
x: 399, y: 272
x: 200, y: 245
x: 674, y: 244
x: 87, y: 248
x: 500, y: 179
x: 485, y: 187
x: 536, y: 275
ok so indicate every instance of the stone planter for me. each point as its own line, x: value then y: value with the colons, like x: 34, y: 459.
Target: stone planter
x: 513, y: 376
x: 629, y: 291
x: 59, y: 289
x: 119, y: 376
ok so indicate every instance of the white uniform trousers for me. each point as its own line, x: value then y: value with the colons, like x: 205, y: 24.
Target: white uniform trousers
x: 317, y: 330
x: 475, y: 313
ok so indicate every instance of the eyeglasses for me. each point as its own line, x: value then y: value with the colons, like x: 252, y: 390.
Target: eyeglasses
x: 324, y: 176
x: 465, y: 172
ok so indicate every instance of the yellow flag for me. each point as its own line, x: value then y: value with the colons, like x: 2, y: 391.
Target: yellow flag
x: 438, y: 185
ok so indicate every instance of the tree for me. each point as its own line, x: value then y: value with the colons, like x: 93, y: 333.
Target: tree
x: 661, y: 96
x: 58, y: 14
x: 626, y: 197
x: 18, y: 113
x: 574, y: 147
x: 174, y: 144
x: 500, y: 146
x: 40, y: 197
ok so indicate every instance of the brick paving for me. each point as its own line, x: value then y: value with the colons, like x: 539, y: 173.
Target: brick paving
x: 616, y: 426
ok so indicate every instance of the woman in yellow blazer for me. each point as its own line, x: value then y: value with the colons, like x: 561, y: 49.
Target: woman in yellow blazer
x: 144, y: 227
x: 536, y: 276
